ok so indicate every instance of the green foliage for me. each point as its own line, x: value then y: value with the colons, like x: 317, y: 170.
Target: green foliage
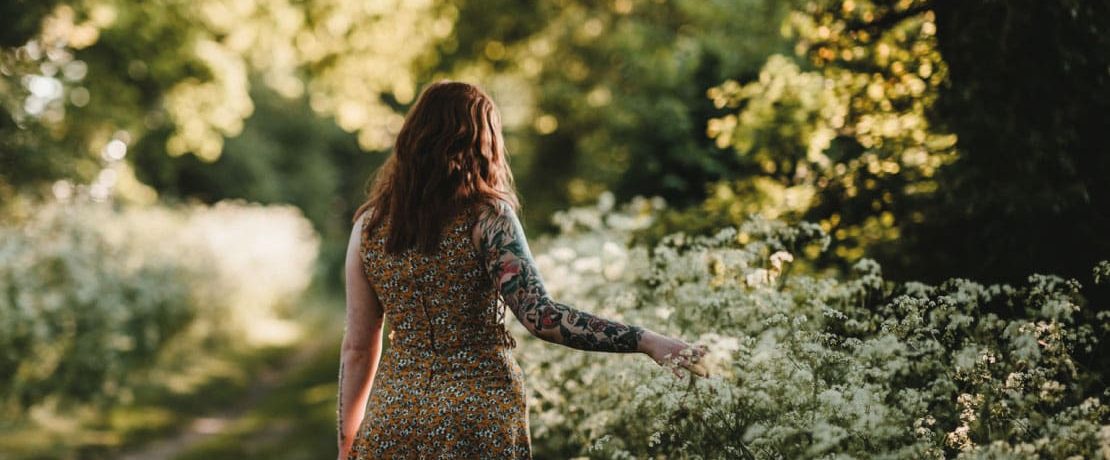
x: 184, y: 70
x: 940, y: 137
x: 91, y: 296
x: 902, y: 127
x: 82, y: 78
x: 618, y: 95
x: 284, y: 155
x: 846, y: 140
x: 80, y: 311
x: 806, y: 365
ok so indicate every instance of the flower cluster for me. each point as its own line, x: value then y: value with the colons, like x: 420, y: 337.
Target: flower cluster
x: 805, y: 363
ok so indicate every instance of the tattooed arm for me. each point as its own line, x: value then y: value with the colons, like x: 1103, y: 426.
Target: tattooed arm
x: 509, y: 263
x: 362, y: 345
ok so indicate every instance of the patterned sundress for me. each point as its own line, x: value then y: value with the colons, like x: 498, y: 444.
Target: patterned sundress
x: 448, y: 386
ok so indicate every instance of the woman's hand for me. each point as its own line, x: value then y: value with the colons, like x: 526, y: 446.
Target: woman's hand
x: 671, y: 353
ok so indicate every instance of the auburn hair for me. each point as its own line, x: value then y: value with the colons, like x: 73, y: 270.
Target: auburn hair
x: 449, y: 156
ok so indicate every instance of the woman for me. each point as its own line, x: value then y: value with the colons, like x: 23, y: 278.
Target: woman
x: 434, y: 248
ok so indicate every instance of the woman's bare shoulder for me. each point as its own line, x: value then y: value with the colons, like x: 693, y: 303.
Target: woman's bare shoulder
x: 494, y: 210
x: 491, y: 216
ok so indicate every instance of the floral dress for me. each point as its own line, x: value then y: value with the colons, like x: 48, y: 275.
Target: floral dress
x: 449, y: 386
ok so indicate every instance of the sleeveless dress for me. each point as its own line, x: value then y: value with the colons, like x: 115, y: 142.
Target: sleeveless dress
x: 448, y: 386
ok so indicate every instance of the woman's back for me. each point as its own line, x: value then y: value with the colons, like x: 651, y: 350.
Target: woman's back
x: 450, y: 386
x: 449, y: 290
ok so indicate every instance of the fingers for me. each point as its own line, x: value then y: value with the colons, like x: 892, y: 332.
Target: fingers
x: 699, y: 370
x: 688, y: 359
x: 693, y: 363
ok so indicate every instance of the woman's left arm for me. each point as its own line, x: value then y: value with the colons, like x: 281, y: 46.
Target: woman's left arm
x: 500, y: 238
x: 362, y: 344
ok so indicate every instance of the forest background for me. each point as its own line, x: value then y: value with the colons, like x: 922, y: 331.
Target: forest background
x: 207, y: 145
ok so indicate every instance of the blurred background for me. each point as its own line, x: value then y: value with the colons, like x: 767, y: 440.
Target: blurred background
x: 177, y: 179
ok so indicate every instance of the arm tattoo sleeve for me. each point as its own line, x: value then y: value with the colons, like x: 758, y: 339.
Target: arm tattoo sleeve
x: 511, y: 268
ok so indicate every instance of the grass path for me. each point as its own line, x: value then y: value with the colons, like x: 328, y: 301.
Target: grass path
x: 211, y: 429
x: 286, y: 412
x: 293, y: 419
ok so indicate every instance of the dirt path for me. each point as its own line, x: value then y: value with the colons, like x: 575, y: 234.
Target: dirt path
x: 203, y: 428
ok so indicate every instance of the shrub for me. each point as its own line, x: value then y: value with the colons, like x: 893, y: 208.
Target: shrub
x: 806, y: 364
x: 89, y: 295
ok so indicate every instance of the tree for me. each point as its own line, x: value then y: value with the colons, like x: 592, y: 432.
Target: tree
x: 844, y: 136
x: 98, y: 71
x: 945, y: 138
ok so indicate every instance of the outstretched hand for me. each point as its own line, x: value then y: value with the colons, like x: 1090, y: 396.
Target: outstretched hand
x: 674, y: 354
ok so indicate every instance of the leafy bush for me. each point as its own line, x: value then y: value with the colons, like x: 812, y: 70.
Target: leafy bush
x: 806, y: 365
x: 89, y: 295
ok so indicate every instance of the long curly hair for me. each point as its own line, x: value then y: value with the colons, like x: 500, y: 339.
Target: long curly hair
x: 449, y: 155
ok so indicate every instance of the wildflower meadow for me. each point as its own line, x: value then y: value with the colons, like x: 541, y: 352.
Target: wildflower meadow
x: 805, y: 364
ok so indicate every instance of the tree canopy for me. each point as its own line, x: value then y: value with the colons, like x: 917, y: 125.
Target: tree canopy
x: 942, y: 137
